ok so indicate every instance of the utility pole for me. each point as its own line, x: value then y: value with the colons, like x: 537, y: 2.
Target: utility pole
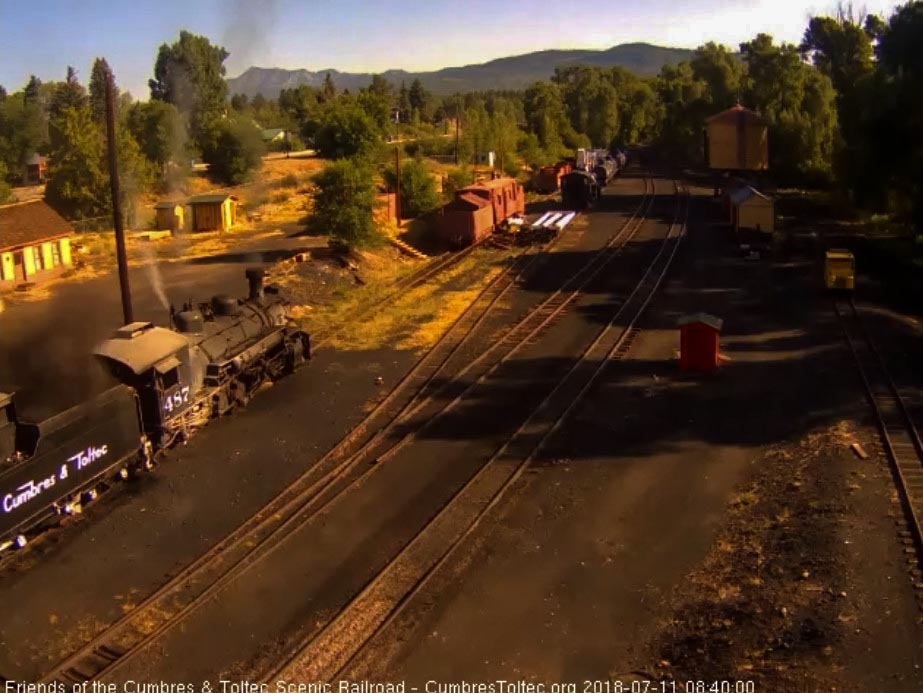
x: 457, y: 121
x: 397, y: 196
x: 127, y: 313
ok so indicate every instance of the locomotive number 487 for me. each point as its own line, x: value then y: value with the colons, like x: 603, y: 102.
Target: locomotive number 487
x: 177, y: 400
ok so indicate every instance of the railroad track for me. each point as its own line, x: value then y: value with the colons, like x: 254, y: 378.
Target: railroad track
x: 210, y: 571
x: 326, y: 654
x: 333, y: 474
x: 899, y: 436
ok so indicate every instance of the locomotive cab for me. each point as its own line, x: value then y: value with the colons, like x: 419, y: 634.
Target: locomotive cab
x: 154, y: 361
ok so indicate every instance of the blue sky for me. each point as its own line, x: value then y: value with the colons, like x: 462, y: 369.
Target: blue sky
x: 44, y: 36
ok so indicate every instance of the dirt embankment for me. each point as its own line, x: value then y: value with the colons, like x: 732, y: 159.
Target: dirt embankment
x: 781, y: 599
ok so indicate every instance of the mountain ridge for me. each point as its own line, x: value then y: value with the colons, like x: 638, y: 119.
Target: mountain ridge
x: 510, y: 72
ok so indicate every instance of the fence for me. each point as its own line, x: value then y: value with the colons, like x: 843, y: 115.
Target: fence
x: 93, y: 225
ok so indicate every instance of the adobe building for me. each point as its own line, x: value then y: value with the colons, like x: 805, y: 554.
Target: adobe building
x: 34, y: 243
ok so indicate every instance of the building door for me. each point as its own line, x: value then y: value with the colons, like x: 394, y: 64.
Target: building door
x: 19, y: 267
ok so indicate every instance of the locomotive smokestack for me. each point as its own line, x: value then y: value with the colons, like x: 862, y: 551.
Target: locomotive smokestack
x: 255, y: 276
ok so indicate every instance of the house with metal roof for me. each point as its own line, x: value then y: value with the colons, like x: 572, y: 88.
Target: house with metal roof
x: 169, y: 216
x: 213, y: 212
x: 751, y: 209
x: 270, y: 135
x: 34, y: 243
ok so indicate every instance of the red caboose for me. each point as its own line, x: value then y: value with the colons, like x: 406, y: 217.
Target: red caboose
x: 479, y: 209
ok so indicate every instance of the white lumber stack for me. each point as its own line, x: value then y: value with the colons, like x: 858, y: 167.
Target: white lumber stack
x: 565, y: 220
x: 541, y: 220
x: 550, y: 221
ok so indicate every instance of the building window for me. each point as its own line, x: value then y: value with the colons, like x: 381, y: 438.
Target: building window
x: 55, y: 254
x: 37, y: 257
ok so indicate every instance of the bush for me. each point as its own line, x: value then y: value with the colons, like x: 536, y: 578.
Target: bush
x: 280, y: 198
x: 456, y: 179
x: 5, y: 191
x: 289, y: 180
x: 418, y: 189
x: 512, y: 166
x: 344, y: 204
x: 345, y: 131
x: 236, y: 152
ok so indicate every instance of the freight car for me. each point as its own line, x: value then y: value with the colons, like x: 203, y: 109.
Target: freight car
x: 172, y: 381
x: 839, y: 269
x: 605, y: 170
x: 548, y: 179
x: 579, y: 189
x: 479, y: 209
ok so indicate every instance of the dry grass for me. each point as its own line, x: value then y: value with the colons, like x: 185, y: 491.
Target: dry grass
x: 414, y: 321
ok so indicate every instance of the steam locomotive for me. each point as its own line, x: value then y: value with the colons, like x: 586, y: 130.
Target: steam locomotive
x: 594, y: 170
x: 172, y: 381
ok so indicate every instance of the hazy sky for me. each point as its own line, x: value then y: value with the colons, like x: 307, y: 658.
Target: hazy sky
x: 44, y: 36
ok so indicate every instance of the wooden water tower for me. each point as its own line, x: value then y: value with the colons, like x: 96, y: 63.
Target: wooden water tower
x: 736, y: 144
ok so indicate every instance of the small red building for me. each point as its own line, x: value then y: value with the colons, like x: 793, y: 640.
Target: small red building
x: 698, y: 342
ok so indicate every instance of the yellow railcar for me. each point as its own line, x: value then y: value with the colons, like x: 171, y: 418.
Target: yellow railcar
x: 840, y: 269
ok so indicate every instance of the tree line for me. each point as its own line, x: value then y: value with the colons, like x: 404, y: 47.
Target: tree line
x: 843, y: 109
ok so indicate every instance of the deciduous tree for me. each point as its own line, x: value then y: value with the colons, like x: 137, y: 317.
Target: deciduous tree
x: 190, y: 75
x: 237, y: 151
x: 346, y: 130
x: 418, y: 189
x: 344, y: 203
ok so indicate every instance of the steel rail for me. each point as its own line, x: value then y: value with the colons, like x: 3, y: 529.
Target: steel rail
x: 899, y: 436
x: 327, y: 653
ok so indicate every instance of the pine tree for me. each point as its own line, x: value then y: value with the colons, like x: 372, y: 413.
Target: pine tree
x: 68, y: 95
x: 329, y: 90
x: 32, y: 93
x: 403, y: 103
x: 98, y: 77
x: 77, y: 181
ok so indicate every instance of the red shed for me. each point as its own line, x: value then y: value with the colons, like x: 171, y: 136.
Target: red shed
x: 698, y: 342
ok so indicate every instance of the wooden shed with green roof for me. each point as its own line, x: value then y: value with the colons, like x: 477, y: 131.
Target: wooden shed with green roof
x: 214, y: 212
x: 170, y: 216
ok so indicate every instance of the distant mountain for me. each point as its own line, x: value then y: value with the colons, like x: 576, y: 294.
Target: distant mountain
x: 516, y: 72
